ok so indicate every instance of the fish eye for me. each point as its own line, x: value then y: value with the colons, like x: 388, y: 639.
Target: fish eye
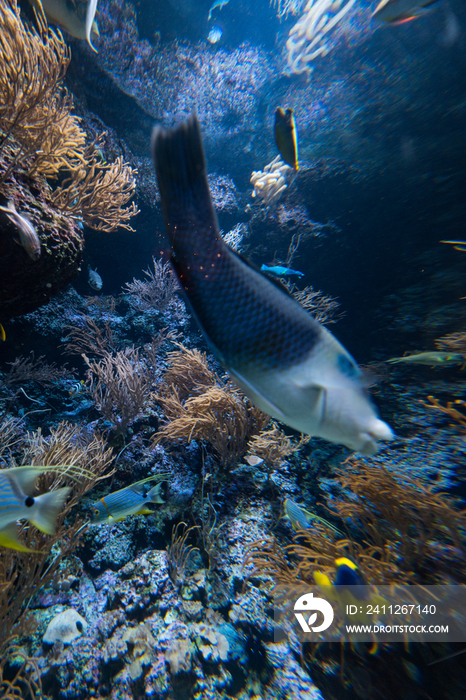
x: 29, y: 502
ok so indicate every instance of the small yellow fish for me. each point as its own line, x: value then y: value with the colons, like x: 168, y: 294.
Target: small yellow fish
x: 2, y: 333
x: 286, y: 136
x: 132, y: 500
x: 432, y: 359
x: 18, y: 503
x: 28, y: 237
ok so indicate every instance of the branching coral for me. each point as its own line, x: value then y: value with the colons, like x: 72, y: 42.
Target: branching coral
x: 98, y: 193
x: 179, y: 552
x: 308, y: 38
x: 273, y: 446
x: 449, y: 410
x: 234, y: 238
x: 119, y: 387
x: 221, y: 416
x: 453, y: 342
x: 68, y: 444
x: 89, y: 338
x: 323, y: 307
x: 415, y: 524
x: 26, y: 369
x: 158, y: 292
x: 39, y: 134
x: 271, y: 183
x: 200, y: 406
x: 32, y: 68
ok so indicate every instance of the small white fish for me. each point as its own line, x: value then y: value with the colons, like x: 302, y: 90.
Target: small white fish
x: 253, y: 460
x: 28, y: 237
x: 95, y: 280
x: 76, y: 389
x: 17, y: 503
x: 214, y: 35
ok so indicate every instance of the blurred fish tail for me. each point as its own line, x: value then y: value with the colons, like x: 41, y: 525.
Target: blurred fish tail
x: 181, y: 173
x: 46, y: 509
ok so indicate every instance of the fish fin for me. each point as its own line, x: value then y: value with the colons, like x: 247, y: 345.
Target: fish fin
x: 24, y: 477
x: 9, y: 539
x: 180, y: 166
x: 154, y: 494
x: 90, y: 16
x: 46, y: 509
x: 256, y: 397
x: 2, y: 333
x: 144, y: 510
x: 138, y: 486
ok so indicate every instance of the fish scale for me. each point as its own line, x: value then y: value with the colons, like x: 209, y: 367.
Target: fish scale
x: 244, y: 333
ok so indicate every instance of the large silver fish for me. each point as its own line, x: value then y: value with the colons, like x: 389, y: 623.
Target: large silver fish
x: 289, y: 365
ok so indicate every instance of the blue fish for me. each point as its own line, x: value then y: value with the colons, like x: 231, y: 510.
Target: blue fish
x: 219, y: 4
x: 132, y: 500
x: 280, y: 271
x: 286, y: 362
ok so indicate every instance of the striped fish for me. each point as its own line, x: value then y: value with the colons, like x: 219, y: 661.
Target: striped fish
x: 132, y: 500
x: 17, y: 503
x: 302, y: 519
x: 286, y: 362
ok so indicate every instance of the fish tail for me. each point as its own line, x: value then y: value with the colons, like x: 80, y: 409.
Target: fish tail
x: 9, y: 538
x: 154, y: 494
x: 181, y: 174
x: 46, y: 509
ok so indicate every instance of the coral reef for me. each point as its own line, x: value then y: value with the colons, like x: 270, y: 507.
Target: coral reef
x: 217, y: 413
x: 46, y: 168
x: 271, y: 183
x: 308, y: 37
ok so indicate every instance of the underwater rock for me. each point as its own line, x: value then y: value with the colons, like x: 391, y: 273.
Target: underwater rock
x: 65, y: 627
x: 29, y: 284
x: 212, y: 644
x: 179, y: 656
